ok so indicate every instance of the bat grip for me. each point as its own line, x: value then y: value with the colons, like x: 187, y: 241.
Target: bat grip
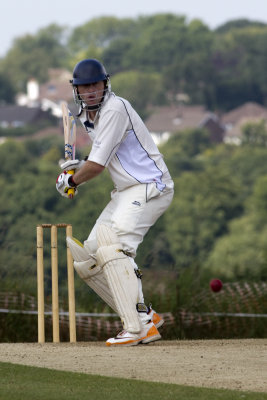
x: 71, y: 191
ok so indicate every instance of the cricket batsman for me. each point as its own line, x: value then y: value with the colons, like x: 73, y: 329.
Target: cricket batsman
x: 143, y: 190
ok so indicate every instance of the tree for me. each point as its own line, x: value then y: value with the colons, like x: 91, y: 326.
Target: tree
x: 99, y: 33
x: 239, y: 59
x: 7, y: 91
x: 199, y: 214
x: 256, y: 204
x: 32, y: 56
x: 142, y: 89
x: 241, y: 253
x: 184, y: 150
x: 191, y: 70
x: 161, y: 41
x: 255, y: 134
x: 239, y: 24
x: 115, y: 55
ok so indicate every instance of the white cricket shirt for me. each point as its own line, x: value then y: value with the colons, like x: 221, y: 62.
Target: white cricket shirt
x: 122, y: 143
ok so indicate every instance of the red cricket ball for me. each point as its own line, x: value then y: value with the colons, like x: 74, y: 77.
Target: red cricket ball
x: 216, y: 285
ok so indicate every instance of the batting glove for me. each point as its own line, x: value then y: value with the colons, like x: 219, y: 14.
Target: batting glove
x: 72, y: 164
x: 64, y: 183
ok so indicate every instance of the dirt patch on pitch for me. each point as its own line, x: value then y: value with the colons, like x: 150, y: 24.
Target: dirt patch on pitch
x: 229, y: 364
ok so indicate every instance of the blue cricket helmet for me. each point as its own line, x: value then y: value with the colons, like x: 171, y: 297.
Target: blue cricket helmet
x: 88, y: 71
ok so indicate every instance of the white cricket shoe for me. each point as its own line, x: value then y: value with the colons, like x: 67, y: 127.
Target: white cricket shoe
x: 147, y: 314
x: 149, y: 333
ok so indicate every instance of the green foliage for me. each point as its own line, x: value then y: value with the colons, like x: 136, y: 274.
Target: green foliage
x: 204, y: 204
x: 240, y: 60
x: 114, y: 56
x: 256, y: 203
x: 25, y: 333
x: 215, y: 226
x: 217, y: 221
x: 255, y: 133
x: 131, y: 85
x: 99, y: 32
x: 7, y: 90
x: 28, y: 129
x: 238, y: 24
x: 161, y: 34
x: 241, y: 253
x: 32, y: 56
x: 10, y: 153
x: 218, y: 215
x: 191, y: 70
x: 220, y: 69
x: 184, y: 150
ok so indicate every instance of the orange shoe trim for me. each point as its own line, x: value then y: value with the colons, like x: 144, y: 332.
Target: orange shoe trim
x: 156, y: 319
x: 152, y: 332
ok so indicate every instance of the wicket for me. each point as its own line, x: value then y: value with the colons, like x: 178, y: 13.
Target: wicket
x: 54, y: 278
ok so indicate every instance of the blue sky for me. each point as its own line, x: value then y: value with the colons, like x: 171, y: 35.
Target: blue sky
x: 19, y: 17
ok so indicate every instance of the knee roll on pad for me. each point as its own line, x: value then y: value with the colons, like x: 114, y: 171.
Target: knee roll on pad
x: 92, y: 274
x: 78, y: 251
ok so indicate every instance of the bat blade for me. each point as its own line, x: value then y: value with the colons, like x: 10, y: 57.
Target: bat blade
x: 69, y: 125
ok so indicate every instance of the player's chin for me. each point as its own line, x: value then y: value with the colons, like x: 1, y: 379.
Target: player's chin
x: 92, y: 103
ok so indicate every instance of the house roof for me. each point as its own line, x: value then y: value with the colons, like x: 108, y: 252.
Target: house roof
x: 175, y: 118
x: 235, y: 120
x: 246, y: 111
x: 57, y: 88
x: 24, y: 115
x: 82, y: 138
x: 178, y: 118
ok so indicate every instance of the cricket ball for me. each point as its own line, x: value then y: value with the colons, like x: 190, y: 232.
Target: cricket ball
x: 216, y: 285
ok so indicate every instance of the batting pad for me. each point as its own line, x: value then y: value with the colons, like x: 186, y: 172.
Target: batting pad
x: 77, y: 249
x: 120, y: 276
x: 93, y: 275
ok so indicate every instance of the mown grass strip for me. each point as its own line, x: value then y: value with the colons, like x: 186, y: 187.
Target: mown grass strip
x: 18, y: 382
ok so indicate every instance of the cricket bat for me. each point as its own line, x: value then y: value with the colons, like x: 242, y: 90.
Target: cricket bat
x: 69, y: 125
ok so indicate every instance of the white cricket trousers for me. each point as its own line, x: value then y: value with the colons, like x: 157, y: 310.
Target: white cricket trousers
x: 131, y: 212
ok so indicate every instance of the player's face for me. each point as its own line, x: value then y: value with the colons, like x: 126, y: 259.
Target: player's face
x: 92, y: 93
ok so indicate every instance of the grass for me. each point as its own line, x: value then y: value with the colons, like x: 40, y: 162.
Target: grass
x: 18, y: 382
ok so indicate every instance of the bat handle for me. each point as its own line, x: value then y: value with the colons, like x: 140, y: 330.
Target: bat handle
x: 71, y: 191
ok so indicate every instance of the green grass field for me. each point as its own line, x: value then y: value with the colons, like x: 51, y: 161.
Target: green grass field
x: 19, y: 382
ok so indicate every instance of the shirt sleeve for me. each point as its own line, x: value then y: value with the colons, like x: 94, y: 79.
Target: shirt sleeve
x: 111, y: 131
